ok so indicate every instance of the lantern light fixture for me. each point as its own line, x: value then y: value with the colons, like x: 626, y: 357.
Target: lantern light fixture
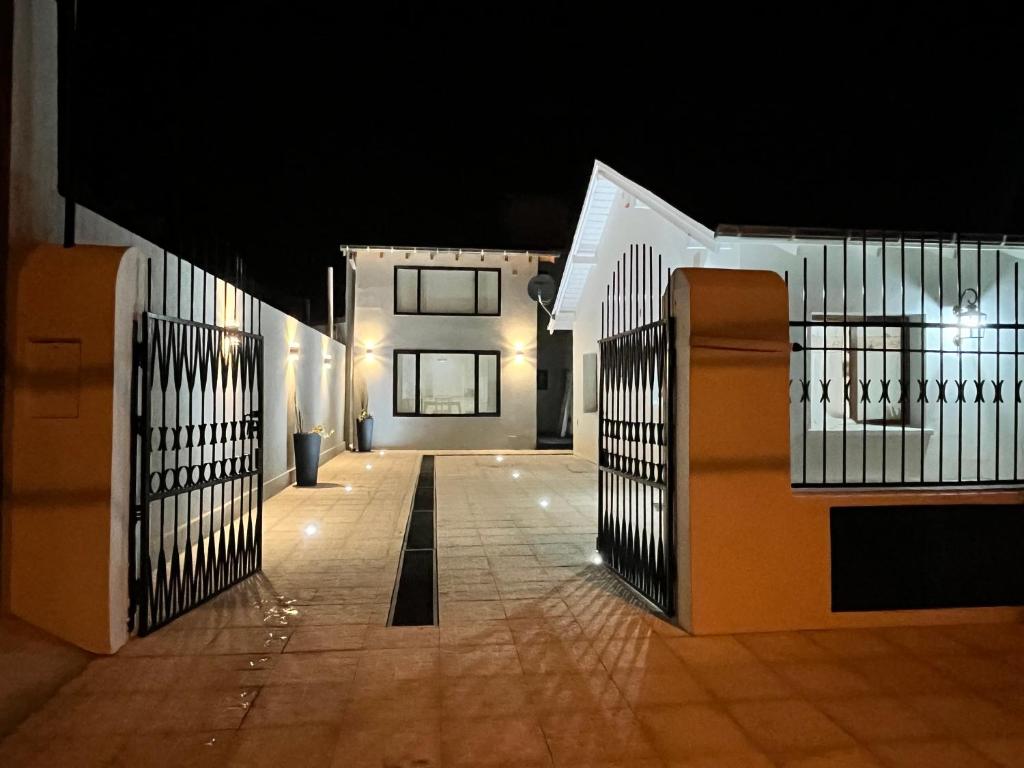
x: 969, y: 319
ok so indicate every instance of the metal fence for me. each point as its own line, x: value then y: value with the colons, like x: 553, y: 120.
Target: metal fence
x: 636, y: 532
x: 197, y: 463
x: 906, y: 367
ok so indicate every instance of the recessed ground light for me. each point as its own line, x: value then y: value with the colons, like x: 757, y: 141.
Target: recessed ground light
x: 380, y: 453
x: 311, y: 529
x: 515, y: 475
x: 369, y: 466
x: 544, y: 503
x: 596, y: 558
x: 348, y: 488
x: 499, y: 458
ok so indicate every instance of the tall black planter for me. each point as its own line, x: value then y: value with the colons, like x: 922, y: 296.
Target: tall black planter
x: 307, y: 457
x: 365, y: 428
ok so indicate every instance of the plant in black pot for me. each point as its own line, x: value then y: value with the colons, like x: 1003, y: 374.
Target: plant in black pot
x: 364, y: 425
x: 307, y: 450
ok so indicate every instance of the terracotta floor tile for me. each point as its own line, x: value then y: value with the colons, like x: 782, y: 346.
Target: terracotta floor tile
x: 741, y: 682
x: 558, y: 658
x: 1006, y: 751
x: 494, y: 741
x: 839, y: 758
x: 784, y: 647
x: 788, y: 726
x: 342, y: 637
x: 823, y: 680
x: 879, y: 718
x: 414, y: 744
x: 480, y: 660
x: 300, y: 704
x: 496, y: 632
x: 643, y: 687
x: 692, y: 730
x: 273, y: 747
x: 716, y: 651
x: 854, y: 643
x: 323, y: 667
x: 586, y: 739
x: 931, y: 754
x: 401, y: 637
x: 967, y: 716
x: 479, y: 696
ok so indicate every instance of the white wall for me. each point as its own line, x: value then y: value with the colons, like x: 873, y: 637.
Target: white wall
x: 377, y: 327
x: 626, y: 226
x: 922, y: 432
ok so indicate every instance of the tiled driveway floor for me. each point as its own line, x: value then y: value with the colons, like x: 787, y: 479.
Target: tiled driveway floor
x: 539, y: 660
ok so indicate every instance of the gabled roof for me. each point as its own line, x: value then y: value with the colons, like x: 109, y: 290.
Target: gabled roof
x: 605, y: 185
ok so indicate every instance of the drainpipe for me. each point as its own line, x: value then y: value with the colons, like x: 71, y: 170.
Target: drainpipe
x: 350, y: 324
x: 330, y: 303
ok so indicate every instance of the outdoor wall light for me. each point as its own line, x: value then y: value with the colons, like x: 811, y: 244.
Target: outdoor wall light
x: 369, y: 350
x: 327, y: 361
x: 520, y: 357
x: 969, y: 318
x: 293, y: 351
x: 231, y: 336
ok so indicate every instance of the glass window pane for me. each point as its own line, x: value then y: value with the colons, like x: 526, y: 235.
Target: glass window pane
x: 405, y: 385
x: 488, y: 383
x: 405, y: 290
x: 447, y: 291
x: 447, y: 383
x: 487, y: 283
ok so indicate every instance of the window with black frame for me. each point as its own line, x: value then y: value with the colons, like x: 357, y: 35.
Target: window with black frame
x: 447, y: 383
x: 447, y: 291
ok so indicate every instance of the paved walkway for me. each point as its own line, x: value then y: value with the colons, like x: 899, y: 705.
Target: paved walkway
x: 540, y: 658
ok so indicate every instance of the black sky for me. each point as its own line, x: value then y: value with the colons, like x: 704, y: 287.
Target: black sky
x: 286, y: 129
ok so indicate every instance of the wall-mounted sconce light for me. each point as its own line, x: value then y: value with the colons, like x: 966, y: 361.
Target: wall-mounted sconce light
x: 369, y: 350
x: 293, y: 351
x: 231, y: 335
x: 969, y: 318
x: 327, y: 361
x: 520, y: 357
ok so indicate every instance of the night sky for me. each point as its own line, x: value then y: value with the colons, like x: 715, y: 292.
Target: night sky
x: 283, y: 130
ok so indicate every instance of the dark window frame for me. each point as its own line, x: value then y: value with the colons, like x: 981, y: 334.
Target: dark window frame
x: 419, y: 291
x: 477, y: 354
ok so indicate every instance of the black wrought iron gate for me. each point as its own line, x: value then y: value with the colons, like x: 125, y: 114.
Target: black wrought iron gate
x: 197, y: 485
x: 636, y: 531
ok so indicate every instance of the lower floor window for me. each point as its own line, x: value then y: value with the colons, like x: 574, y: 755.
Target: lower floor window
x: 447, y: 383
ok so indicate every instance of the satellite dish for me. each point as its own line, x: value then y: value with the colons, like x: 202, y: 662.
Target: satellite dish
x: 541, y: 289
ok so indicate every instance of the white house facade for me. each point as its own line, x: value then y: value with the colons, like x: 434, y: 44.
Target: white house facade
x: 445, y: 347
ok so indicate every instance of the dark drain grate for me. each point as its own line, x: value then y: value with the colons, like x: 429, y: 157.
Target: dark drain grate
x: 415, y: 600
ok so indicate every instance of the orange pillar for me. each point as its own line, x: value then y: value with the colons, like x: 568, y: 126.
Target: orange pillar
x: 66, y: 464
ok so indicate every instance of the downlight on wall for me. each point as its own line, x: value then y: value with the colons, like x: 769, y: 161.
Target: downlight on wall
x: 293, y: 351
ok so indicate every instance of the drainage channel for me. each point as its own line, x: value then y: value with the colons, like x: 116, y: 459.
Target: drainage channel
x: 414, y: 603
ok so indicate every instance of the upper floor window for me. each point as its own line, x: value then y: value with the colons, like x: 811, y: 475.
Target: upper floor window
x: 447, y: 291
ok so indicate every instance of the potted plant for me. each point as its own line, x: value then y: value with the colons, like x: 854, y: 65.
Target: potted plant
x: 307, y: 450
x: 365, y: 430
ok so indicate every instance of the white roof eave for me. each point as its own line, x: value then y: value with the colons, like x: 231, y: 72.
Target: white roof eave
x: 605, y: 184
